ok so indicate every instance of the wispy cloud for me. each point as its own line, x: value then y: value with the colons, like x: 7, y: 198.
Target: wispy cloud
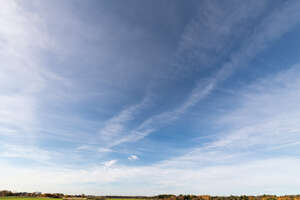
x: 223, y: 163
x: 133, y: 157
x: 259, y: 120
x: 115, y: 129
x: 256, y: 125
x: 212, y: 34
x: 31, y: 153
x: 262, y: 177
x: 18, y: 103
x: 103, y: 150
x: 269, y: 29
x: 50, y: 110
x: 110, y: 163
x: 23, y: 76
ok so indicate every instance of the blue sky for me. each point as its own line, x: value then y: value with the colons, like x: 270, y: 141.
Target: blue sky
x: 150, y: 97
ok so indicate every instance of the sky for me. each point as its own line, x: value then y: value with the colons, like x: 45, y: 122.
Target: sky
x: 150, y: 97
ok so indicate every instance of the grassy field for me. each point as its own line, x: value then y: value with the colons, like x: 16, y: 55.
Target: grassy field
x: 26, y: 198
x: 39, y: 198
x: 124, y: 199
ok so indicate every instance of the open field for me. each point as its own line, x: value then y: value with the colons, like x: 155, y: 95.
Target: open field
x: 45, y: 198
x: 125, y: 199
x: 28, y: 198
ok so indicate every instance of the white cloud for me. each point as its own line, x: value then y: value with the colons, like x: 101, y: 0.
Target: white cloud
x: 104, y: 150
x: 220, y: 167
x: 114, y: 130
x: 267, y: 114
x: 26, y: 152
x: 110, y: 163
x: 212, y: 169
x: 133, y: 157
x: 19, y: 76
x: 276, y: 176
x: 84, y: 147
x: 94, y: 148
x: 23, y: 76
x: 257, y: 126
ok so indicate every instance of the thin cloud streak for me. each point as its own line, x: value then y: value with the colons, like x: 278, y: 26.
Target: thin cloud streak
x: 115, y: 127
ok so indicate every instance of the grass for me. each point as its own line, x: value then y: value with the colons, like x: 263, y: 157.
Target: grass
x: 26, y: 198
x: 45, y: 198
x: 125, y: 199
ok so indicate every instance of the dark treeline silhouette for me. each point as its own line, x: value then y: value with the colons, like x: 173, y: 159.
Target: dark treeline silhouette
x: 7, y: 193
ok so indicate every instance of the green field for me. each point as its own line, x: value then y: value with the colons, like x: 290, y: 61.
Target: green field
x: 41, y: 198
x: 124, y: 199
x: 26, y: 198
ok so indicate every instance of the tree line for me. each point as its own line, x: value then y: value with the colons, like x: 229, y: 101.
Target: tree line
x: 7, y: 193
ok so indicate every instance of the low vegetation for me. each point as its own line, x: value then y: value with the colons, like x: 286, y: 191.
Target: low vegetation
x: 24, y: 198
x: 9, y: 195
